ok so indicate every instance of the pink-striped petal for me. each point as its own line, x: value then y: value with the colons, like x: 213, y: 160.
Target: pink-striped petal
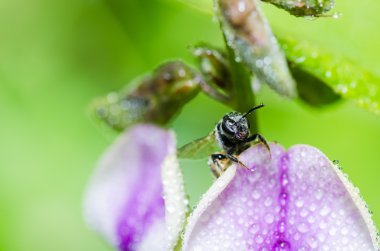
x: 297, y: 200
x: 124, y: 201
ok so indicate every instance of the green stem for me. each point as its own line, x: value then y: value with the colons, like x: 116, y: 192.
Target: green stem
x: 242, y: 94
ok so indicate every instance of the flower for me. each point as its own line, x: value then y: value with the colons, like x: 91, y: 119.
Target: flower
x: 136, y: 197
x: 296, y: 200
x: 288, y: 200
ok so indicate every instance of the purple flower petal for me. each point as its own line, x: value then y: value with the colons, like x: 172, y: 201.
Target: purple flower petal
x: 124, y: 200
x: 297, y: 200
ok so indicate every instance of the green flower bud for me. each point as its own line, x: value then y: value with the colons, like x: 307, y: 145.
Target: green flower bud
x: 155, y: 98
x: 248, y: 33
x: 302, y: 8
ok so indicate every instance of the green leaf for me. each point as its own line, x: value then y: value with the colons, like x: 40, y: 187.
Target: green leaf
x: 200, y: 5
x: 344, y: 77
x: 312, y: 90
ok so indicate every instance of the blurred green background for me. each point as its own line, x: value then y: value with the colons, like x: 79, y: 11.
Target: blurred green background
x: 56, y: 56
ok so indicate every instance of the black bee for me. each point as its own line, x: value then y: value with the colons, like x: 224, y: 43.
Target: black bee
x: 232, y: 134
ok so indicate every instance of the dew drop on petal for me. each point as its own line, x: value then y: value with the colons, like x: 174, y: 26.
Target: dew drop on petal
x: 303, y: 228
x: 269, y: 218
x: 312, y: 241
x: 281, y: 245
x: 259, y: 239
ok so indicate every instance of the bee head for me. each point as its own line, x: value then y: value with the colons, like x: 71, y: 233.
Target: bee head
x: 236, y: 126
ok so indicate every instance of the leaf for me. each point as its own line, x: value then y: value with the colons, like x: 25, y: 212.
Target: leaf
x: 344, y: 77
x: 200, y: 5
x: 312, y: 90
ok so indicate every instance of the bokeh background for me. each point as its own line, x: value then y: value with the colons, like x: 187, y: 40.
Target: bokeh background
x: 56, y: 56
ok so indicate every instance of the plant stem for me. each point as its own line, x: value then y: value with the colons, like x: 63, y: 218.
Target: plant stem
x: 242, y: 94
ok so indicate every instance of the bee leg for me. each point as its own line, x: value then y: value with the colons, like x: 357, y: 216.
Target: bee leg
x: 215, y: 165
x: 260, y: 138
x: 236, y: 160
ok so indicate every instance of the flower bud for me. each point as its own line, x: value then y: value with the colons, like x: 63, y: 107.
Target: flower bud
x: 155, y: 98
x: 302, y: 8
x: 248, y: 33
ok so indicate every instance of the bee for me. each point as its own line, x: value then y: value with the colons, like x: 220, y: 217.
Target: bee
x: 232, y: 135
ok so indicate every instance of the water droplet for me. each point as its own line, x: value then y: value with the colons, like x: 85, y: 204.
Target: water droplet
x: 344, y: 231
x: 167, y: 76
x: 284, y: 179
x: 303, y: 228
x: 269, y: 218
x: 268, y: 202
x: 332, y: 231
x: 322, y: 224
x: 252, y: 168
x: 181, y: 73
x: 259, y: 63
x: 283, y: 198
x: 299, y: 202
x: 328, y: 74
x: 312, y: 241
x: 321, y: 237
x: 300, y: 59
x: 102, y: 112
x: 170, y: 209
x: 325, y: 211
x: 256, y: 194
x: 238, y: 211
x: 267, y: 60
x: 241, y: 6
x: 319, y: 194
x: 259, y: 239
x: 297, y: 236
x: 254, y: 228
x: 304, y: 213
x: 342, y: 88
x: 112, y: 97
x: 311, y: 219
x: 281, y: 245
x: 281, y: 226
x: 336, y: 15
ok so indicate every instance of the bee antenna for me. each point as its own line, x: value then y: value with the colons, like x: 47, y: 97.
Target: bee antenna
x: 252, y: 109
